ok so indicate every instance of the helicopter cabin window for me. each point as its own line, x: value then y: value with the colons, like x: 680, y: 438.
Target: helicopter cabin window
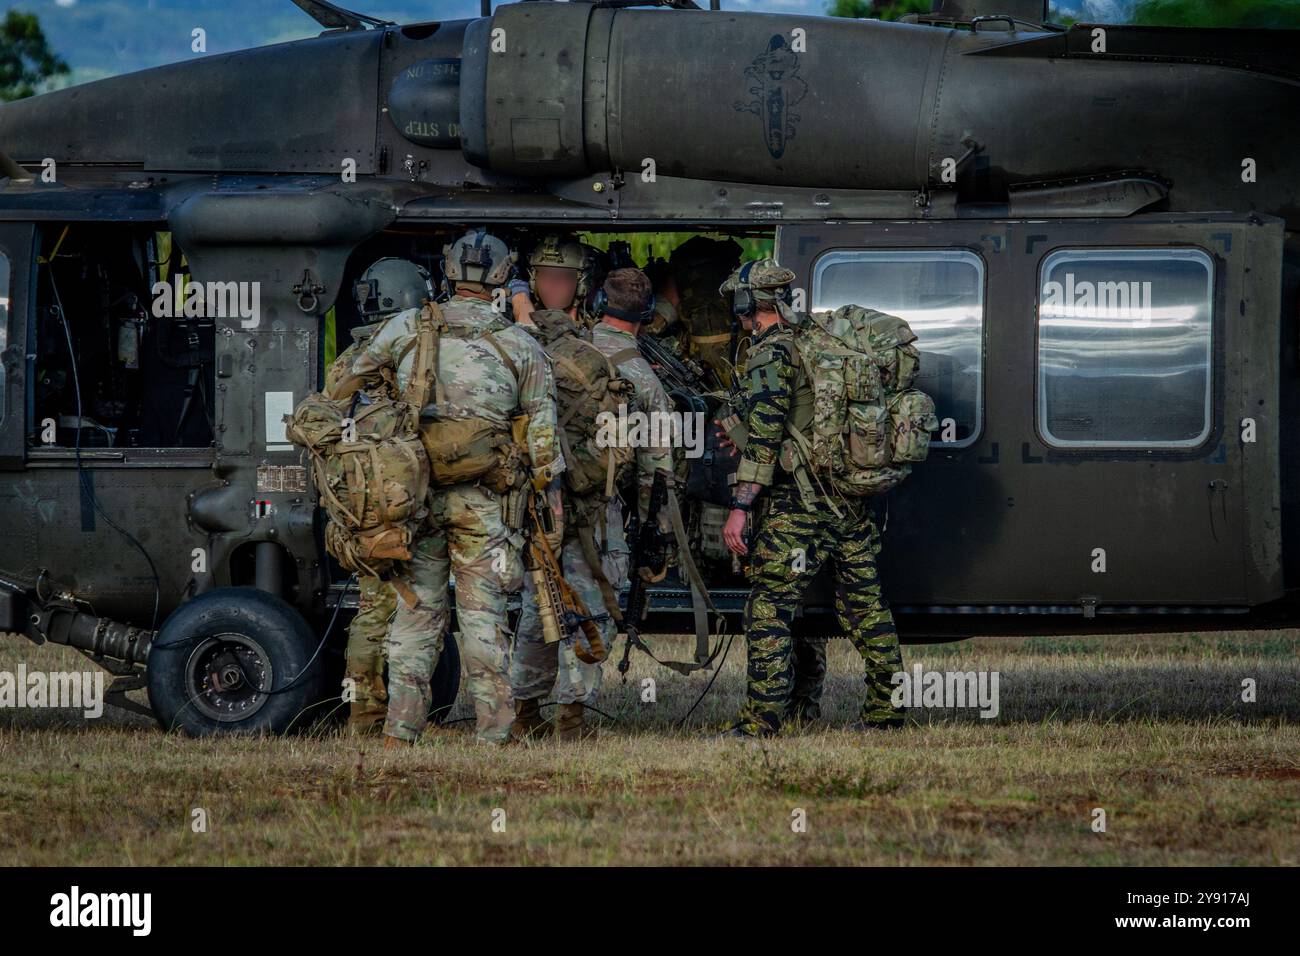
x: 940, y: 292
x: 1124, y: 347
x: 110, y: 368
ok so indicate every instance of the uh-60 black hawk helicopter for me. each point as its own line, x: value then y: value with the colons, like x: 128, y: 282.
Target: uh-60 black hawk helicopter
x: 1092, y: 231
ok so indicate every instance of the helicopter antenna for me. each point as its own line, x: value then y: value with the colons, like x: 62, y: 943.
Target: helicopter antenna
x: 332, y: 17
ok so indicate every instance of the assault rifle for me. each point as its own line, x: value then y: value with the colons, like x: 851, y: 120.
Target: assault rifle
x: 678, y: 374
x: 563, y: 615
x: 649, y: 565
x: 651, y: 554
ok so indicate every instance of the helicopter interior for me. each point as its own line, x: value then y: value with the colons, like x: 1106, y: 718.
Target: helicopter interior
x: 108, y: 372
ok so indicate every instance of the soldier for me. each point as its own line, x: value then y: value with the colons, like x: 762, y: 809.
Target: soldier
x: 698, y: 265
x: 390, y: 285
x: 479, y: 373
x: 665, y: 325
x: 795, y: 536
x: 559, y: 275
x: 594, y: 552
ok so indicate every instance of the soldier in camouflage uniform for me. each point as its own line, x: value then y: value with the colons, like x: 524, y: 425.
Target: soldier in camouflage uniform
x: 559, y: 278
x: 538, y: 667
x: 489, y: 370
x: 697, y: 266
x: 795, y: 538
x: 387, y: 287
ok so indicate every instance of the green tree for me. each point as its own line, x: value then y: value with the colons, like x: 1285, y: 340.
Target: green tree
x: 1275, y: 14
x: 25, y: 56
x: 889, y: 10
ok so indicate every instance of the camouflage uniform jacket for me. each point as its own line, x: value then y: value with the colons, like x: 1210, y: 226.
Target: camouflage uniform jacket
x: 770, y: 380
x: 476, y: 382
x: 648, y: 393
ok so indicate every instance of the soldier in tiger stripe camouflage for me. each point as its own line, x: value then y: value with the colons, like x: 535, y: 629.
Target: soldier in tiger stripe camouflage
x: 796, y: 537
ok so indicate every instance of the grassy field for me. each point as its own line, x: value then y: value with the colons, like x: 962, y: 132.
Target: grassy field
x: 1150, y: 729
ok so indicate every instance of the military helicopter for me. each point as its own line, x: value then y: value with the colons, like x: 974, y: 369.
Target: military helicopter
x: 1092, y: 230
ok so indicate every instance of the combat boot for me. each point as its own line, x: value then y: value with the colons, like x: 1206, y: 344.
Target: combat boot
x: 743, y: 730
x: 896, y: 722
x: 397, y: 743
x: 570, y: 724
x: 529, y: 722
x: 802, y: 710
x: 365, y: 720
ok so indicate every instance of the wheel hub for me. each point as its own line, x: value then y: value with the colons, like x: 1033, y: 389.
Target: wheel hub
x: 226, y: 677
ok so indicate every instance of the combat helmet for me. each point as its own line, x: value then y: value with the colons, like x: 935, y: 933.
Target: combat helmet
x: 558, y: 251
x: 478, y: 257
x: 759, y: 280
x: 391, y: 285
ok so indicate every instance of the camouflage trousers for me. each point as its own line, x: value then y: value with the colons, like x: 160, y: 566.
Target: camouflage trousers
x: 810, y: 663
x: 468, y: 539
x: 537, y: 667
x: 809, y: 660
x: 792, y: 544
x: 365, y: 654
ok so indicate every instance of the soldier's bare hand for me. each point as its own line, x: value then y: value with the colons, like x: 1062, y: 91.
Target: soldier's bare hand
x: 733, y: 532
x: 724, y: 442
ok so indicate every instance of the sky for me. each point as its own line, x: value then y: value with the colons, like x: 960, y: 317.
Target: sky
x: 101, y: 38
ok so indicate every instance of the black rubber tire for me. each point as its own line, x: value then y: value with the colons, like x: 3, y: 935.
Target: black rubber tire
x: 445, y: 684
x: 247, y: 629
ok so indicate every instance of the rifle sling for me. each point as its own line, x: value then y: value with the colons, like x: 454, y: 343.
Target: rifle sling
x: 701, y: 602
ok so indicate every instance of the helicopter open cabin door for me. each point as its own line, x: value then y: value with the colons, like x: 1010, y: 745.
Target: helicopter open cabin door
x: 1108, y: 397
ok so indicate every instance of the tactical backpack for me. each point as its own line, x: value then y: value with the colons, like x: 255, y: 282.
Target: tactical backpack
x: 859, y: 425
x: 373, y: 484
x: 341, y: 382
x: 459, y: 450
x: 587, y: 390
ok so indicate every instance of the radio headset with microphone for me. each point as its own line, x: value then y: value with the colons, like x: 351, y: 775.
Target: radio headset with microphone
x: 600, y: 305
x: 742, y: 300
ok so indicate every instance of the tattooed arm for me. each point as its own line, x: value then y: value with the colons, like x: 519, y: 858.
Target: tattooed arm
x: 770, y: 381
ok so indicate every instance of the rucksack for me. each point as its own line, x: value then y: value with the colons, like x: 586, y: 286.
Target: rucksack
x: 341, y: 382
x: 859, y: 425
x: 460, y: 450
x: 587, y: 387
x: 373, y: 486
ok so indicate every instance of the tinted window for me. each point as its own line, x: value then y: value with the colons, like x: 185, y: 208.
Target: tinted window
x: 941, y: 295
x: 1124, y: 347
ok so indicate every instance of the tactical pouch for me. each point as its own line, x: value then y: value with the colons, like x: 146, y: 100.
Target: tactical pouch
x: 463, y: 450
x: 869, y: 435
x: 514, y: 509
x: 912, y: 418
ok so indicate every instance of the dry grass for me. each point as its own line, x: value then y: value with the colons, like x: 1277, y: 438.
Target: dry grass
x: 1151, y: 729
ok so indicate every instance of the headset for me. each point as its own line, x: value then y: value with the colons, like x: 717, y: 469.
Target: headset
x: 600, y: 306
x: 742, y: 300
